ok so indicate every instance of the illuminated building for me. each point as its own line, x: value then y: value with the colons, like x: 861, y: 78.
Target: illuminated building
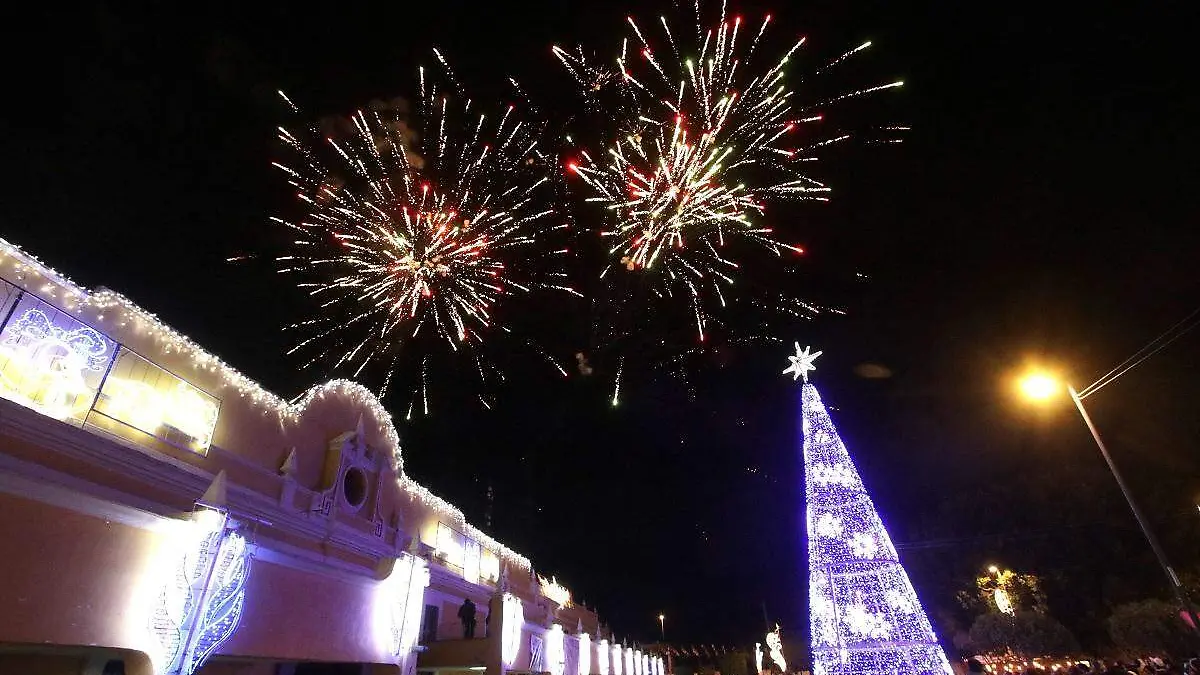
x: 166, y: 514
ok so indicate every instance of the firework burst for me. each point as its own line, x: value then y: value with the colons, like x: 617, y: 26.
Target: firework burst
x: 701, y: 140
x: 413, y: 247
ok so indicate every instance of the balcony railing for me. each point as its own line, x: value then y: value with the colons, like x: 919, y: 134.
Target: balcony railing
x: 63, y: 368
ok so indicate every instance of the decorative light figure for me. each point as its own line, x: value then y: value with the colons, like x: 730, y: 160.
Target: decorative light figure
x: 1003, y: 603
x: 865, y: 617
x: 47, y: 363
x: 775, y: 645
x: 758, y: 657
x: 200, y: 604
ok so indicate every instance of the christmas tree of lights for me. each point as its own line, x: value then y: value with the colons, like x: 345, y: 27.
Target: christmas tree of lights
x: 864, y: 616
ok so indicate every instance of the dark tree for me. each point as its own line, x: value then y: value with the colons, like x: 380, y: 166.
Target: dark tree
x: 1150, y: 628
x: 1026, y: 634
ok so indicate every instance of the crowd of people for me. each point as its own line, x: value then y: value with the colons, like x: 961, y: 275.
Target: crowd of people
x: 1151, y: 666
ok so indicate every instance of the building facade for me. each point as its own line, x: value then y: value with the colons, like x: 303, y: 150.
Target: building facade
x: 163, y: 514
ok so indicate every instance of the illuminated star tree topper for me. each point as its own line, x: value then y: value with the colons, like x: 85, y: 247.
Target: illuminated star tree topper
x: 801, y: 363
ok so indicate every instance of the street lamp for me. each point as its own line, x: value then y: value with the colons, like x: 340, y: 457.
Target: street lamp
x: 1041, y: 387
x: 662, y: 626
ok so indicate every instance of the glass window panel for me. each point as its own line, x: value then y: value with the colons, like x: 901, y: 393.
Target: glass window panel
x: 471, y: 560
x: 463, y: 553
x: 8, y: 295
x: 50, y: 361
x: 489, y: 566
x: 449, y: 544
x: 146, y: 397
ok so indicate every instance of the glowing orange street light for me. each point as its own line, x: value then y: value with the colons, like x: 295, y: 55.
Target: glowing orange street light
x: 1040, y: 387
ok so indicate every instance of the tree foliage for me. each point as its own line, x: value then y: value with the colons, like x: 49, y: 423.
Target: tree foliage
x: 1150, y: 627
x: 1024, y: 591
x: 1026, y: 634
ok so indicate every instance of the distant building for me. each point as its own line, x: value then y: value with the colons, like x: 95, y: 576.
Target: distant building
x: 164, y: 514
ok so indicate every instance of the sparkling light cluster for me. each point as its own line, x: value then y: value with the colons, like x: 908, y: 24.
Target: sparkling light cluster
x: 410, y: 256
x: 112, y: 309
x: 865, y: 616
x: 701, y: 140
x: 554, y: 591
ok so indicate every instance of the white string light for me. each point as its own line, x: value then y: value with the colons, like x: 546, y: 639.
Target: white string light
x: 119, y: 313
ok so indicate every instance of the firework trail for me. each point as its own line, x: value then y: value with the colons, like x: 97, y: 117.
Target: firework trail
x: 413, y: 241
x: 701, y: 139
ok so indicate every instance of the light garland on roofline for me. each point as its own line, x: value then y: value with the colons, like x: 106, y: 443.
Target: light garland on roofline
x: 452, y: 513
x: 75, y: 297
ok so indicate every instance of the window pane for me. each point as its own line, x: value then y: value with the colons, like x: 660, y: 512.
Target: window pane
x: 50, y: 361
x: 149, y: 399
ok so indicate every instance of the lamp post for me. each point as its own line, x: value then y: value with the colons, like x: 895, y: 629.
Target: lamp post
x: 662, y: 627
x: 1042, y: 387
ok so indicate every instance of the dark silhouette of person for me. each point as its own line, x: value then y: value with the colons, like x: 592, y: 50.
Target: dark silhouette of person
x: 467, y: 614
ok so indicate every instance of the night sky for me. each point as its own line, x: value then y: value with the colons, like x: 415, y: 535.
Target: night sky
x: 1043, y: 206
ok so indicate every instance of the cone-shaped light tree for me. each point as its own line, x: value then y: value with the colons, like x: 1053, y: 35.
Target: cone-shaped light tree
x: 865, y: 618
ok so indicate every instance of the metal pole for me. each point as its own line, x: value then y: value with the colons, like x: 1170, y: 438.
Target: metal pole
x: 1180, y: 595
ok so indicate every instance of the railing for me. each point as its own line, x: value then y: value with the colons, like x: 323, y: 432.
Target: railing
x: 63, y: 368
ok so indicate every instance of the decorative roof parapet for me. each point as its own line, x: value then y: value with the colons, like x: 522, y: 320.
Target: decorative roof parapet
x: 77, y: 297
